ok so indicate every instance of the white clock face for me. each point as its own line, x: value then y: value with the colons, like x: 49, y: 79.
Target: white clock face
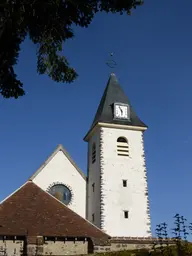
x: 121, y: 111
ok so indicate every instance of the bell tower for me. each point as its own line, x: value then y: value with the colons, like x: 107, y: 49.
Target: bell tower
x: 117, y: 191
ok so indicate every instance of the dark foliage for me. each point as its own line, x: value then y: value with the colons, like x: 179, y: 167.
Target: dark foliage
x: 48, y: 24
x: 180, y: 233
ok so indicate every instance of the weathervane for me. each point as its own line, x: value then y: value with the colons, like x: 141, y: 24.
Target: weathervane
x: 111, y: 62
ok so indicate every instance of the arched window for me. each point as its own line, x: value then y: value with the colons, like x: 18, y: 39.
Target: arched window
x: 122, y: 147
x: 93, y: 153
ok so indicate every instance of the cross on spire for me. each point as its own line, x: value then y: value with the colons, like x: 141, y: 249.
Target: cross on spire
x: 111, y: 63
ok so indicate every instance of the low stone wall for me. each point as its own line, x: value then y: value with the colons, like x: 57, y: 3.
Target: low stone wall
x: 120, y: 247
x: 130, y: 243
x: 32, y: 246
x: 56, y: 246
x: 11, y: 246
x: 65, y: 248
x: 41, y: 246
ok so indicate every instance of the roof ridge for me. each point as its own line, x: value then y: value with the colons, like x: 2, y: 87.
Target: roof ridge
x: 51, y: 206
x: 70, y: 208
x: 6, y: 198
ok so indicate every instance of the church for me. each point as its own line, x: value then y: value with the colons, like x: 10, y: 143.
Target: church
x: 71, y: 213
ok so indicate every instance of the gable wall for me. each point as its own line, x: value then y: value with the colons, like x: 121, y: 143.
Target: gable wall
x: 60, y: 170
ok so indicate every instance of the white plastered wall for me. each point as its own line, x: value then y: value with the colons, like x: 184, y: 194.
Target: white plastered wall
x: 93, y: 198
x: 61, y: 170
x: 115, y: 198
x: 111, y: 199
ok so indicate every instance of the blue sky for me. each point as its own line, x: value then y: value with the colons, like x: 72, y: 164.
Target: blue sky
x: 154, y: 55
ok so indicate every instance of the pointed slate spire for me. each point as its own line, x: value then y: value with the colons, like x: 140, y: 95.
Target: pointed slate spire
x: 114, y: 94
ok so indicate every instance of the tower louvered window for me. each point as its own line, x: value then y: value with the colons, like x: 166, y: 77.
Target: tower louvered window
x: 93, y: 153
x: 122, y: 147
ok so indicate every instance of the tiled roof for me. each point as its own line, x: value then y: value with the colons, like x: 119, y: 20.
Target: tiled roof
x: 32, y: 211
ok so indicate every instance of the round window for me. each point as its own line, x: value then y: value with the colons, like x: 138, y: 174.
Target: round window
x: 61, y: 192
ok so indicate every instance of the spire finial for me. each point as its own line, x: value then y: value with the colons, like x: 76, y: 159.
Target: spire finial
x: 111, y: 62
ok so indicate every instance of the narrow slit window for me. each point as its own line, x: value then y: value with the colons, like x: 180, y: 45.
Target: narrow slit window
x: 93, y: 153
x: 122, y: 147
x: 124, y: 183
x: 93, y: 187
x: 93, y: 217
x: 126, y: 214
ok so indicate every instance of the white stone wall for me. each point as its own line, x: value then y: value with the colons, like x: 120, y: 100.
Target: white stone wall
x: 114, y: 197
x: 11, y: 247
x: 93, y: 198
x: 65, y: 248
x: 60, y: 170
